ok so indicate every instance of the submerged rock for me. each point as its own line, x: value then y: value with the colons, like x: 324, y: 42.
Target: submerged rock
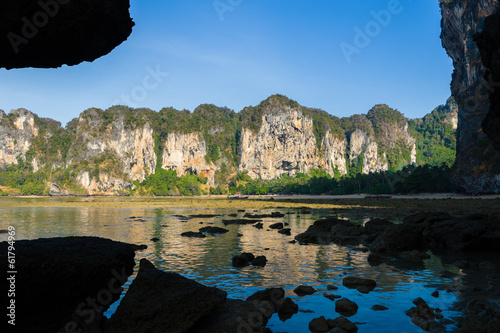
x: 213, y: 230
x: 355, y: 282
x: 287, y: 308
x: 342, y: 323
x: 235, y: 316
x: 240, y: 221
x: 346, y: 307
x: 304, y: 290
x: 318, y: 325
x: 278, y: 225
x: 160, y: 301
x: 242, y: 260
x: 193, y: 234
x: 260, y: 261
x: 285, y: 231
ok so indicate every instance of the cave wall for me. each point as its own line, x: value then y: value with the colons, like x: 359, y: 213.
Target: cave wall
x: 478, y: 163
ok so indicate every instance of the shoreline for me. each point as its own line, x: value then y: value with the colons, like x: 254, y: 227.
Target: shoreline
x: 397, y: 205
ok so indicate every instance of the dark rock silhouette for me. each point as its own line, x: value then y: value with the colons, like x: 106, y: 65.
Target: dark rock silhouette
x: 49, y: 34
x: 160, y: 301
x: 67, y: 282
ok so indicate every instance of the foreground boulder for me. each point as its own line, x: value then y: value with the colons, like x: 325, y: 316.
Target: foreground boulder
x: 163, y: 302
x: 59, y: 278
x: 235, y: 316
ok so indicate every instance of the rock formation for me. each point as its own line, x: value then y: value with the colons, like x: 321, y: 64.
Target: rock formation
x: 106, y: 151
x: 477, y: 161
x: 128, y: 145
x: 16, y: 134
x: 186, y: 153
x: 51, y: 33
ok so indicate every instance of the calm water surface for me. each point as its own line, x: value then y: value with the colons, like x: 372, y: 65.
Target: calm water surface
x: 208, y: 260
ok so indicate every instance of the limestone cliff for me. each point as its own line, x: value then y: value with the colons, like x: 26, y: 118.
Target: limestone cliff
x: 187, y: 153
x: 106, y: 151
x: 126, y: 146
x: 17, y: 131
x: 285, y: 143
x: 477, y: 162
x: 291, y: 139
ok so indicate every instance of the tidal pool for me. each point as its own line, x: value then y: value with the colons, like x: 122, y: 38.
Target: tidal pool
x: 208, y: 260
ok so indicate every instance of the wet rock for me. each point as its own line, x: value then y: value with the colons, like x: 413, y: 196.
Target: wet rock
x: 364, y: 289
x: 232, y: 215
x: 481, y: 316
x: 304, y: 290
x: 57, y: 276
x: 343, y: 323
x: 272, y: 295
x: 292, y: 241
x: 259, y: 225
x: 155, y: 239
x: 435, y: 294
x: 278, y: 225
x: 355, y: 282
x: 243, y: 259
x: 287, y: 308
x: 400, y: 237
x: 462, y: 234
x: 213, y: 230
x: 427, y: 218
x: 331, y: 230
x: 375, y: 259
x: 203, y: 216
x: 424, y: 316
x: 318, y: 325
x: 378, y: 307
x: 331, y: 296
x: 260, y: 261
x: 193, y: 234
x: 261, y: 216
x: 376, y: 226
x: 160, y: 301
x: 235, y: 316
x: 286, y: 231
x: 414, y: 254
x: 240, y: 221
x: 331, y: 287
x: 346, y: 307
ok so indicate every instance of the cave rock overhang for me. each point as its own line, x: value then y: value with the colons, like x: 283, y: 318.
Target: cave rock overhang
x: 52, y: 33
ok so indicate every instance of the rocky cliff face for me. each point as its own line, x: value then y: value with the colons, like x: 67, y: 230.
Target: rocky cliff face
x: 17, y: 131
x: 477, y: 161
x: 285, y: 144
x: 362, y: 144
x: 129, y: 146
x: 186, y: 153
x: 104, y: 152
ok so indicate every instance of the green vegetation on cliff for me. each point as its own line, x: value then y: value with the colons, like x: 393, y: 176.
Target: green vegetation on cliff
x: 435, y: 136
x: 59, y: 154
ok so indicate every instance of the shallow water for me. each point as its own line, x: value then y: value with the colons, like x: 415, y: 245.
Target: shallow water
x: 208, y: 260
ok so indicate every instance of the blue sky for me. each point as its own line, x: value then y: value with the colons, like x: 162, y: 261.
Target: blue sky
x: 236, y: 53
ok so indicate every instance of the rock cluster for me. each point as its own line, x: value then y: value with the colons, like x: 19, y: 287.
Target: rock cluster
x: 419, y: 231
x: 245, y: 259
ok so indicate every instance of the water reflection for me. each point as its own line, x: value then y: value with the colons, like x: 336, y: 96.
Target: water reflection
x: 208, y: 260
